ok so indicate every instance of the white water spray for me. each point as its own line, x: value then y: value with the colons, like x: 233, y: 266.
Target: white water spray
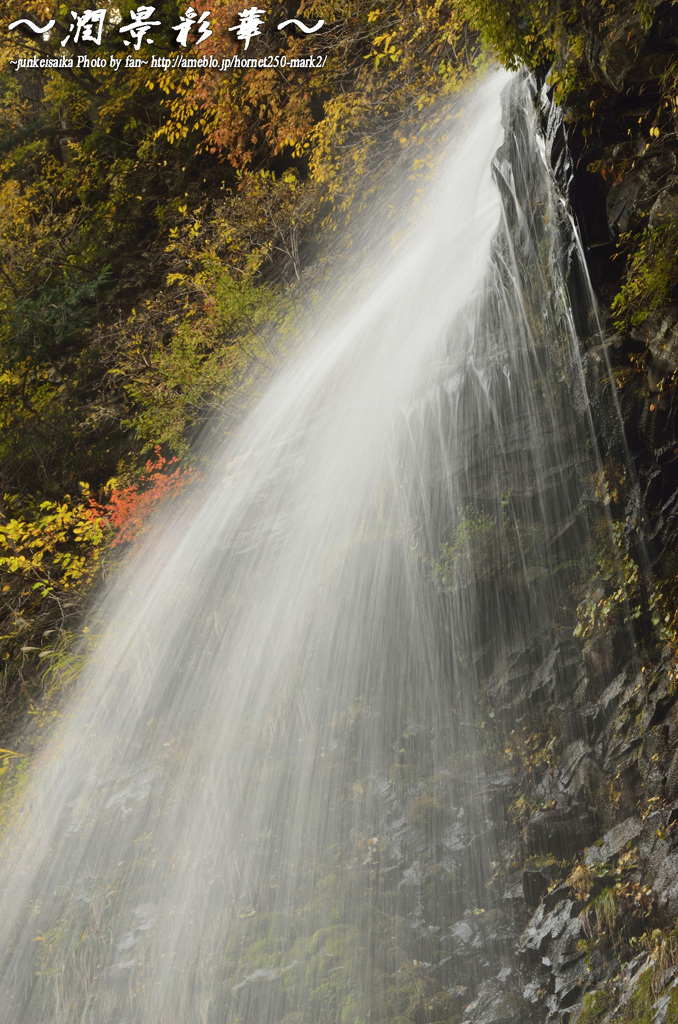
x: 266, y: 802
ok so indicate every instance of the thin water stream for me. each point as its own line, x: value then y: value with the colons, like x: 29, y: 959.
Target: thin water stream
x: 267, y: 800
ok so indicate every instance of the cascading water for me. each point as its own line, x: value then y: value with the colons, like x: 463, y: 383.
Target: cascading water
x: 267, y: 801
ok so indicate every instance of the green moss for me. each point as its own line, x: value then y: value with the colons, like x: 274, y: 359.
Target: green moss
x: 596, y: 1005
x: 672, y: 1008
x: 640, y: 1007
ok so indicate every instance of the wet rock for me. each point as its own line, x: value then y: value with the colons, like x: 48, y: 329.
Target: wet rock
x: 495, y: 1007
x: 630, y: 200
x: 658, y: 849
x: 515, y: 894
x: 569, y: 980
x: 618, y: 54
x: 654, y: 844
x: 535, y: 883
x: 613, y: 842
x: 495, y: 934
x: 562, y: 832
x: 462, y: 931
x: 552, y: 933
x: 532, y: 993
x: 672, y: 778
x: 579, y: 774
x: 665, y: 206
x: 665, y: 887
x: 552, y: 957
x: 663, y: 346
x: 598, y: 657
x: 618, y: 729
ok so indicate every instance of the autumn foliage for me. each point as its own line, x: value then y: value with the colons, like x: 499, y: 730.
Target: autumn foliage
x: 156, y: 229
x: 55, y: 554
x: 129, y: 509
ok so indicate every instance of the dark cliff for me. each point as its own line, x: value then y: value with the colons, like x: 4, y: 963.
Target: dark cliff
x: 590, y: 868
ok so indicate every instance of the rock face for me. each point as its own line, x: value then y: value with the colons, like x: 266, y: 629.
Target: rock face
x: 584, y: 899
x: 624, y: 187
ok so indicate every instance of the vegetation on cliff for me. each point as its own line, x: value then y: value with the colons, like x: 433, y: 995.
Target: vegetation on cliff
x: 156, y: 228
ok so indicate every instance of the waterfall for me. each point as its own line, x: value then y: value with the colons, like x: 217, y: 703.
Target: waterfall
x: 268, y: 800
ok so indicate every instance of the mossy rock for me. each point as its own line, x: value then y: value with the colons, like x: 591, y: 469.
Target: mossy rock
x: 596, y: 1005
x: 672, y: 1008
x: 640, y: 1006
